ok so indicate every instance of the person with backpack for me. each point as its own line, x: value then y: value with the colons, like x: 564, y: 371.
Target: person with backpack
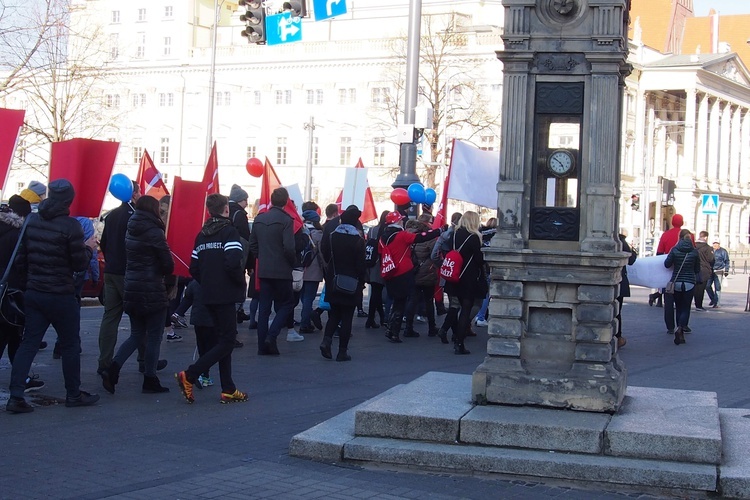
x: 397, y: 267
x: 313, y: 265
x: 442, y: 247
x: 425, y: 279
x: 377, y: 284
x: 467, y: 281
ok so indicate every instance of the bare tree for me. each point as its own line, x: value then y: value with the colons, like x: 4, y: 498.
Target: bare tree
x: 448, y: 76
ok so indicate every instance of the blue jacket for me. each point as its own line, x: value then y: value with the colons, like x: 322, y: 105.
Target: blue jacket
x: 721, y: 260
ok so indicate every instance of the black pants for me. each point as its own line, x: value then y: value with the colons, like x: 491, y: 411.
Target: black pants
x: 464, y: 319
x: 376, y: 302
x: 341, y: 317
x: 669, y: 318
x: 698, y: 294
x: 421, y: 296
x: 205, y: 339
x: 10, y: 336
x: 224, y: 317
x: 619, y: 318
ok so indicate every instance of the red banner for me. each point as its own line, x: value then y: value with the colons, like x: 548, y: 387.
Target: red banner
x: 270, y: 182
x: 149, y: 178
x: 369, y: 212
x: 189, y: 205
x: 211, y: 174
x: 87, y: 164
x: 12, y: 120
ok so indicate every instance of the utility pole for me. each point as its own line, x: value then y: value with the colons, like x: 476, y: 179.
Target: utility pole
x: 212, y: 81
x: 310, y: 127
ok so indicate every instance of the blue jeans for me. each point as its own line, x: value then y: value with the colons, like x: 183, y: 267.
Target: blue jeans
x: 278, y: 292
x: 307, y: 295
x: 482, y: 314
x: 682, y: 302
x: 713, y: 286
x: 148, y: 329
x: 63, y: 313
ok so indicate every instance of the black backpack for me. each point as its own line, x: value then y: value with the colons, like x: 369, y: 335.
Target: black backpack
x: 308, y: 254
x: 372, y: 251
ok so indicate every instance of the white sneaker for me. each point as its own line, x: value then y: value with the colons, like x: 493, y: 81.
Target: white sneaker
x: 481, y: 322
x: 293, y: 336
x: 421, y: 319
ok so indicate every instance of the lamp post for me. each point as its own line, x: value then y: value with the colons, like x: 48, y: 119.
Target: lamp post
x: 310, y: 127
x: 212, y: 80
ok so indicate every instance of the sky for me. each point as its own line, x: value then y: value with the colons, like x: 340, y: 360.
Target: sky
x: 724, y: 7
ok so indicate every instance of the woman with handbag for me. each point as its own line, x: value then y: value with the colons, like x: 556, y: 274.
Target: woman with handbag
x: 685, y: 264
x: 148, y: 262
x: 345, y: 278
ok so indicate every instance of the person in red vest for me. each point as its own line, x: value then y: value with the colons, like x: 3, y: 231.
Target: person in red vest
x: 401, y: 282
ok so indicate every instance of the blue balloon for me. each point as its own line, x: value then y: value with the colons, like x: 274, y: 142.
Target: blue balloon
x: 121, y: 187
x: 430, y: 196
x: 416, y: 192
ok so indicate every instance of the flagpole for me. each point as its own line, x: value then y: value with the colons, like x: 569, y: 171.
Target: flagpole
x: 310, y: 127
x: 212, y: 81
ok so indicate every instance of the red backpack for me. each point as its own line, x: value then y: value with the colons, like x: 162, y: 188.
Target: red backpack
x: 388, y: 265
x: 453, y: 263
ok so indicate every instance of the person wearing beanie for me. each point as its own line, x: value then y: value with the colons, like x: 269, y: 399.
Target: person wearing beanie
x: 38, y: 188
x: 238, y: 216
x: 313, y: 273
x: 30, y: 196
x: 53, y: 250
x: 667, y: 242
x: 19, y: 205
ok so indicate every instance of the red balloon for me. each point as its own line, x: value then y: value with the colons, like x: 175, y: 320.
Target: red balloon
x: 254, y: 167
x: 400, y: 196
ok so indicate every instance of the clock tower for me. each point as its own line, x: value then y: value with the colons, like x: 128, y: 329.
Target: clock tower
x: 555, y: 261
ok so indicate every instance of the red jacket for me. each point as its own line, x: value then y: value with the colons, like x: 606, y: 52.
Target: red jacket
x: 671, y: 237
x: 399, y: 243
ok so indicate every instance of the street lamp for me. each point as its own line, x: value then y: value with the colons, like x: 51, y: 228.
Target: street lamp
x: 310, y: 127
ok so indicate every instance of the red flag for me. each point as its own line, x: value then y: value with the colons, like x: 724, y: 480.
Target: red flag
x: 369, y: 212
x: 12, y: 120
x: 270, y: 182
x: 211, y: 174
x: 189, y: 201
x: 441, y: 217
x: 87, y: 164
x: 149, y: 178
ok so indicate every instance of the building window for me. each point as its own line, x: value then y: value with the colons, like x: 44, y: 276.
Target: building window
x: 250, y: 152
x: 310, y: 97
x: 168, y: 11
x: 281, y: 151
x: 19, y: 187
x: 223, y: 98
x: 137, y: 154
x: 347, y: 96
x: 114, y: 45
x: 164, y: 151
x: 487, y: 143
x: 379, y: 95
x: 167, y: 46
x: 141, y: 15
x: 279, y: 97
x: 140, y: 49
x: 346, y: 151
x: 283, y: 97
x: 352, y: 96
x: 315, y: 152
x: 319, y: 96
x: 378, y: 156
x: 112, y: 101
x: 139, y: 100
x: 256, y: 97
x: 342, y: 96
x: 166, y: 100
x: 115, y: 16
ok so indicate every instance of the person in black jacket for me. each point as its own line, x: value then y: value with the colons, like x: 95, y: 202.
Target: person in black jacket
x: 52, y: 250
x: 686, y: 265
x: 238, y: 216
x: 149, y: 261
x: 624, y: 289
x: 216, y: 264
x: 347, y: 252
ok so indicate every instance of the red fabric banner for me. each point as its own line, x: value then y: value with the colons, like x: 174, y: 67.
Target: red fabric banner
x: 12, y: 120
x: 211, y: 174
x: 441, y: 217
x: 149, y: 178
x: 189, y: 206
x: 87, y: 164
x: 270, y: 182
x: 369, y: 212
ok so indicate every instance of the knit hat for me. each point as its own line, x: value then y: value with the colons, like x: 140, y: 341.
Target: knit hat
x: 39, y: 188
x: 61, y: 191
x: 311, y: 215
x: 677, y: 220
x: 393, y: 217
x: 19, y: 205
x: 237, y: 194
x: 30, y: 196
x: 351, y: 215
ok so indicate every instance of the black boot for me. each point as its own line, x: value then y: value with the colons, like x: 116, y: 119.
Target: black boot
x: 370, y: 323
x: 110, y: 377
x: 271, y: 347
x: 343, y: 356
x: 460, y: 349
x: 443, y: 335
x: 325, y: 347
x: 151, y: 385
x: 410, y: 332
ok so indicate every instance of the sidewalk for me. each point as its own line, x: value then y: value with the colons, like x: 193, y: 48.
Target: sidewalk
x: 134, y: 446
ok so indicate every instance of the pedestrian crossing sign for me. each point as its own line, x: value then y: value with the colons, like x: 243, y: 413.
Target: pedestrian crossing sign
x: 710, y: 204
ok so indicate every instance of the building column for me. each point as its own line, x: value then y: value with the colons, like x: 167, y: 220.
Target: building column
x: 688, y: 146
x: 701, y: 151
x: 745, y: 149
x: 725, y: 149
x: 736, y: 147
x: 714, y: 141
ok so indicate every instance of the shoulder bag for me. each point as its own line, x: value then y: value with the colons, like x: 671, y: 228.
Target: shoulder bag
x: 670, y: 285
x: 347, y: 285
x: 11, y: 299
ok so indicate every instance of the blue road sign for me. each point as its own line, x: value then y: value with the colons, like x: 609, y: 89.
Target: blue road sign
x: 710, y: 204
x: 325, y: 9
x: 283, y: 28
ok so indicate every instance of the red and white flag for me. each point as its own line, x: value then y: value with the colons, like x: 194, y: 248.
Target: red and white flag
x: 150, y: 179
x: 270, y: 182
x: 12, y: 120
x: 211, y: 174
x: 369, y: 212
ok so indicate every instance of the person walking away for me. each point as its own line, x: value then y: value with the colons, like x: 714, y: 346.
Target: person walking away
x: 706, y: 255
x: 216, y: 264
x: 720, y: 271
x: 425, y: 279
x: 685, y: 264
x: 668, y: 240
x: 400, y: 283
x: 238, y: 216
x: 377, y: 284
x: 313, y: 273
x: 52, y: 250
x: 624, y: 289
x: 200, y: 318
x: 442, y: 247
x: 272, y: 242
x: 148, y: 262
x: 348, y: 260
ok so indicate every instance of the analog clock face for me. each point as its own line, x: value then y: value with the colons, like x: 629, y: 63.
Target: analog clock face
x: 560, y: 163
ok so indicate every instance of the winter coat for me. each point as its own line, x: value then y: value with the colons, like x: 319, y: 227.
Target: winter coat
x: 238, y: 216
x: 148, y: 262
x: 216, y: 262
x: 10, y: 228
x: 112, y: 243
x: 272, y: 243
x: 473, y: 281
x: 199, y: 315
x: 373, y: 273
x: 706, y: 256
x: 315, y: 272
x: 685, y: 264
x: 53, y: 248
x: 625, y: 282
x: 399, y: 243
x: 347, y: 258
x: 426, y: 271
x: 328, y: 228
x: 721, y: 260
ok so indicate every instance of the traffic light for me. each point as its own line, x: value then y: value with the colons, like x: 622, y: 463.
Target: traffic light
x: 255, y: 20
x: 635, y: 202
x: 298, y: 7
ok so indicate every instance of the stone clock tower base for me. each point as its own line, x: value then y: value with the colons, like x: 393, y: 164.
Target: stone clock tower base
x: 551, y: 331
